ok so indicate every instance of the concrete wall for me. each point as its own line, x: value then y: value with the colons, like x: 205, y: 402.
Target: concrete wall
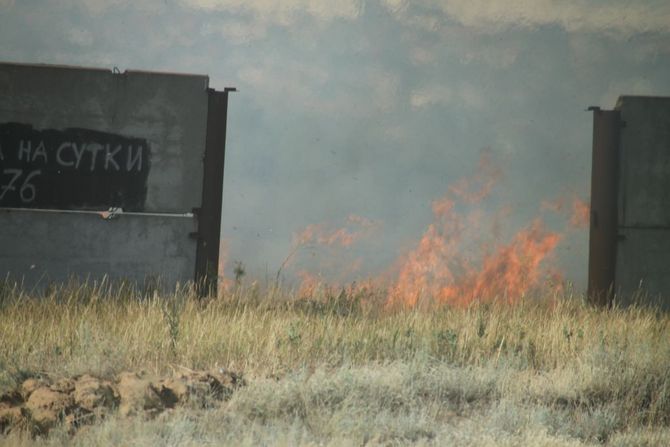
x: 643, y: 266
x: 167, y: 111
x: 40, y: 247
x: 643, y: 246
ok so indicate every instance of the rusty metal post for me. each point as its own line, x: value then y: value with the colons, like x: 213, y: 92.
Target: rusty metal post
x: 209, y: 215
x: 604, y: 223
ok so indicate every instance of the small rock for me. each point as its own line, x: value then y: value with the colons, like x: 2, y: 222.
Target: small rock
x: 190, y: 388
x: 93, y: 394
x: 138, y: 394
x: 179, y: 388
x: 78, y: 418
x: 201, y: 387
x: 12, y: 398
x: 47, y: 407
x: 30, y: 385
x: 63, y: 386
x: 10, y: 416
x: 228, y: 379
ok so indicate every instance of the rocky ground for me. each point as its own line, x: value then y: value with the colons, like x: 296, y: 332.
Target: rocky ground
x: 41, y: 403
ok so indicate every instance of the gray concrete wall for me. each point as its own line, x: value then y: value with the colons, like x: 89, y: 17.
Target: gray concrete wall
x: 40, y: 247
x: 644, y: 188
x: 169, y: 111
x: 643, y: 248
x: 643, y: 266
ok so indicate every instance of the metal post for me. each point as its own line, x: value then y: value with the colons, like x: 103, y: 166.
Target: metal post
x: 209, y: 215
x: 604, y: 225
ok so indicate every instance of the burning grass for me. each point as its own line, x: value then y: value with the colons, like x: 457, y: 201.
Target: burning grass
x: 345, y: 369
x: 470, y: 251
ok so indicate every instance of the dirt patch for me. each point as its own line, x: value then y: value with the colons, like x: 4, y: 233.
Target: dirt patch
x: 39, y: 404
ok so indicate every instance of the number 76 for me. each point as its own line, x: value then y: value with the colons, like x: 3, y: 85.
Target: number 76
x: 27, y: 191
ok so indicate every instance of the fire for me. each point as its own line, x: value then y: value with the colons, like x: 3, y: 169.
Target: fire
x: 581, y: 211
x: 463, y: 256
x: 453, y: 263
x: 473, y: 191
x: 316, y: 286
x: 320, y: 234
x: 509, y: 273
x: 224, y: 284
x: 333, y: 242
x: 309, y: 283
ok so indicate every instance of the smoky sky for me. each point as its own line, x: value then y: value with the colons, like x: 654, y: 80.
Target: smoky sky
x: 373, y: 108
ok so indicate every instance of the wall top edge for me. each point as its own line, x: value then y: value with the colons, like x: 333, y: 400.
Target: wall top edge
x: 114, y: 71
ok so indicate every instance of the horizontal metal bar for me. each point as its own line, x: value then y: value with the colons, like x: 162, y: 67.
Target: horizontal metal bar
x: 101, y: 213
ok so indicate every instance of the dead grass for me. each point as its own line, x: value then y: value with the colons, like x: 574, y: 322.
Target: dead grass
x: 341, y: 370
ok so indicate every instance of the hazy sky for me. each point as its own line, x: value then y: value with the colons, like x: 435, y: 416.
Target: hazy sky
x: 374, y: 108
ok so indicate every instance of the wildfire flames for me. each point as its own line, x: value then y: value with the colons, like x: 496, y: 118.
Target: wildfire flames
x: 332, y: 240
x: 459, y: 259
x: 319, y: 234
x: 463, y: 255
x: 581, y: 211
x: 435, y: 270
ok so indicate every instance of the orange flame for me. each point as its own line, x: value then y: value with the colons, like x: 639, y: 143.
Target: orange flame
x: 333, y: 241
x: 321, y: 234
x: 314, y: 286
x: 509, y: 273
x: 461, y: 258
x: 454, y: 264
x: 309, y: 284
x: 474, y: 190
x: 581, y: 211
x: 224, y: 284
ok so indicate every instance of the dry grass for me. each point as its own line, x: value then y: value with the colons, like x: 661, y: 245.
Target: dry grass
x: 341, y: 370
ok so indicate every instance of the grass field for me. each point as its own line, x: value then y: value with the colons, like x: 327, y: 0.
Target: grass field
x: 345, y: 370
